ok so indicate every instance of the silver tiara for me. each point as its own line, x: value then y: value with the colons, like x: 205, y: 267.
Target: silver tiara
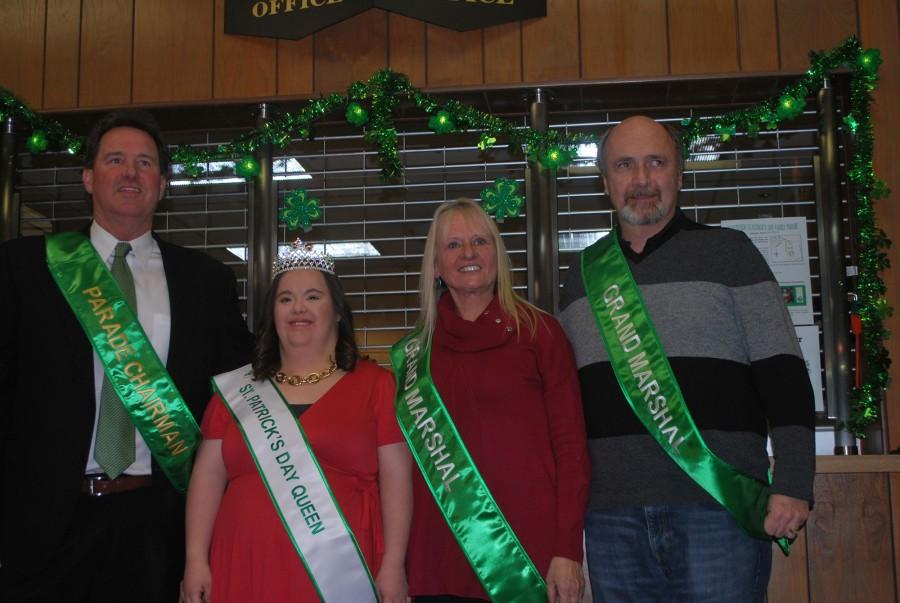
x: 302, y: 256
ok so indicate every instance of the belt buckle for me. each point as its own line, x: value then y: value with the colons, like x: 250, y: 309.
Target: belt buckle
x: 93, y: 479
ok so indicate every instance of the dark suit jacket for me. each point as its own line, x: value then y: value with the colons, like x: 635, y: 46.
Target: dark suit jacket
x: 47, y: 394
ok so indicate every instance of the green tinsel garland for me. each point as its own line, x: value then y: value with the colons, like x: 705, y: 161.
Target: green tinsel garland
x: 872, y: 306
x: 370, y: 105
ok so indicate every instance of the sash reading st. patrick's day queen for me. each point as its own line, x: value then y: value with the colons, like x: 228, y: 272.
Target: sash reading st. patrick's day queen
x: 489, y: 543
x: 298, y: 488
x: 649, y: 384
x: 129, y: 360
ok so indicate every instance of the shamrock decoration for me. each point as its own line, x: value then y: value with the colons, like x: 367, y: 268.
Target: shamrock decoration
x: 356, y: 115
x: 851, y: 123
x: 247, y: 167
x: 37, y: 142
x: 486, y: 141
x: 299, y: 210
x: 502, y: 200
x: 441, y: 123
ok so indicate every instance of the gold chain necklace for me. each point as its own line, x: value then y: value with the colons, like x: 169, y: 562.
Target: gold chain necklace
x: 297, y: 380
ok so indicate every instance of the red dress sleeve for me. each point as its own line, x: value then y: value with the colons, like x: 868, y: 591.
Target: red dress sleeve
x: 383, y: 393
x: 562, y: 395
x: 216, y: 419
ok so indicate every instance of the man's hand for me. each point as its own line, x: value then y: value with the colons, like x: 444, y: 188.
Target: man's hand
x: 786, y: 516
x: 565, y: 581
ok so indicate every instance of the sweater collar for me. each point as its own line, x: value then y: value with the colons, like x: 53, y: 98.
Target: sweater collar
x: 490, y: 330
x: 677, y: 223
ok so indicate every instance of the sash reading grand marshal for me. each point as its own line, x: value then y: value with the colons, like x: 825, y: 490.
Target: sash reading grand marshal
x: 649, y: 384
x: 298, y: 488
x: 129, y: 360
x: 504, y: 568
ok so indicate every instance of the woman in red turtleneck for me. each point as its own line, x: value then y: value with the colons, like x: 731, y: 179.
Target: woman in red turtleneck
x: 505, y: 372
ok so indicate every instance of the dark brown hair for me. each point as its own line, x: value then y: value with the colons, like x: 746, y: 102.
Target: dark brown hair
x: 126, y: 118
x: 267, y: 355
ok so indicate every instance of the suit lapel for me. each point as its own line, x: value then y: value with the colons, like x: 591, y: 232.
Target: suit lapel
x: 177, y: 285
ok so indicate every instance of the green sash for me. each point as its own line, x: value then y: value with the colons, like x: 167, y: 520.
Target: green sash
x: 130, y: 362
x: 652, y: 391
x: 501, y: 564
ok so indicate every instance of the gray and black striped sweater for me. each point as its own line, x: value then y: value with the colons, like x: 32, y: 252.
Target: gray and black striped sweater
x: 722, y: 322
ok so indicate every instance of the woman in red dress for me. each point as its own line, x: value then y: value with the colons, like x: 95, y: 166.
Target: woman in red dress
x: 237, y: 548
x: 506, y: 374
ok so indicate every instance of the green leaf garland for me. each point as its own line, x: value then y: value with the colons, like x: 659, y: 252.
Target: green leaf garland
x: 554, y: 150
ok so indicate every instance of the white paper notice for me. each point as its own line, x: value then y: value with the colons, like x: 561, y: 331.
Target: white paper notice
x: 784, y: 245
x: 809, y: 345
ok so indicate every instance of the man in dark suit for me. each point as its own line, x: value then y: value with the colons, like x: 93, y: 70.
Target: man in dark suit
x: 71, y: 529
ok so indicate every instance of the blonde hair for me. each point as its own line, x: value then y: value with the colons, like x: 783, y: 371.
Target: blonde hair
x: 429, y: 290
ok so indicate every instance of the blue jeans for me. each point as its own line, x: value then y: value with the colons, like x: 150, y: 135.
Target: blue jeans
x: 674, y: 554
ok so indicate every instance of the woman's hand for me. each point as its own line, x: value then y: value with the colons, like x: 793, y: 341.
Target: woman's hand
x: 195, y: 588
x: 565, y: 581
x: 391, y: 583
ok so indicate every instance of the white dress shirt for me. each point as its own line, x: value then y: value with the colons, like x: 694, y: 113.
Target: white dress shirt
x: 152, y: 295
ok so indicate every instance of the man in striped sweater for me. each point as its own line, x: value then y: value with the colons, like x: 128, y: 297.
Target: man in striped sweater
x: 666, y: 520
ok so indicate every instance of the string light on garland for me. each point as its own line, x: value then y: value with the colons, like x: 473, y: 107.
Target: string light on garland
x: 556, y: 157
x: 247, y: 167
x: 74, y: 147
x: 356, y: 115
x: 37, y: 142
x: 441, y: 123
x: 502, y: 200
x: 851, y: 123
x: 299, y: 210
x: 790, y: 106
x: 869, y: 60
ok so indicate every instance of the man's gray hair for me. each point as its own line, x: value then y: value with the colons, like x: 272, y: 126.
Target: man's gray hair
x: 674, y: 134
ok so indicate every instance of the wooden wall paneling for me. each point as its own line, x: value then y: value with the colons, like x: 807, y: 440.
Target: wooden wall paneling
x: 61, y: 62
x: 550, y: 49
x: 173, y: 50
x: 703, y: 36
x: 878, y: 29
x: 757, y: 35
x: 895, y: 524
x: 351, y: 50
x: 106, y: 53
x: 295, y: 66
x: 623, y: 38
x: 503, y: 54
x: 22, y: 47
x: 244, y: 65
x: 849, y: 534
x: 789, y: 582
x: 406, y: 47
x: 805, y: 25
x: 454, y: 58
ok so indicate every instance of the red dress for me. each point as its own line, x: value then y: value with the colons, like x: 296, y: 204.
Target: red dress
x: 516, y: 402
x: 251, y: 557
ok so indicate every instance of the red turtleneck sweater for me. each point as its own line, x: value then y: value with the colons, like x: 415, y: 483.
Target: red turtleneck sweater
x: 515, y: 400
